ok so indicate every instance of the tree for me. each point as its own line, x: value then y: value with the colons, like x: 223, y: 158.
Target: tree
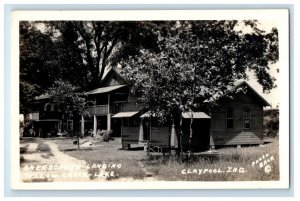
x: 196, y: 61
x: 35, y: 73
x: 102, y: 43
x: 75, y: 51
x: 72, y: 103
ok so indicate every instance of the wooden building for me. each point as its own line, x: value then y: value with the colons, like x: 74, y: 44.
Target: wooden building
x: 196, y: 130
x: 130, y: 128
x: 110, y: 98
x: 238, y: 120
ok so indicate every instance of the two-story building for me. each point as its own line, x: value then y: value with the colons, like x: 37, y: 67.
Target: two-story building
x: 111, y: 98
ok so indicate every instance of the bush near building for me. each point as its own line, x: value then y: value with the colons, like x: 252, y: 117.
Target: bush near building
x: 271, y: 122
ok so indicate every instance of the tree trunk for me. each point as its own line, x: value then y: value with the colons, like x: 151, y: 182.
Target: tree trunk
x: 76, y: 127
x: 78, y: 145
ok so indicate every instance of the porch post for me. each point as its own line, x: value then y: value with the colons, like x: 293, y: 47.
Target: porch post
x: 108, y: 113
x: 59, y: 126
x: 211, y: 142
x: 173, y: 135
x: 95, y: 125
x: 108, y: 122
x: 141, y: 132
x: 82, y: 125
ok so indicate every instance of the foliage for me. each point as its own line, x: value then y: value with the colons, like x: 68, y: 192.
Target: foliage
x: 101, y: 43
x: 75, y: 51
x: 71, y: 102
x: 271, y: 123
x: 197, y: 60
x: 35, y: 73
x: 37, y: 56
x: 27, y: 93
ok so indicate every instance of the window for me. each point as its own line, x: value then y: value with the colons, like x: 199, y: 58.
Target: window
x: 70, y: 124
x: 48, y: 107
x: 229, y: 118
x: 247, y: 118
x: 55, y: 108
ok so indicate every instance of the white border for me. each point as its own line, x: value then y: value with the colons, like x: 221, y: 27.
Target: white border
x: 280, y: 15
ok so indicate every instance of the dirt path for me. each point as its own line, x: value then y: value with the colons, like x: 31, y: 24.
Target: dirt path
x: 55, y: 166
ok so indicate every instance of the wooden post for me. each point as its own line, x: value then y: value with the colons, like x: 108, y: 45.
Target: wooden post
x: 150, y: 136
x: 108, y: 122
x: 108, y: 113
x: 211, y: 142
x: 95, y: 125
x: 141, y: 132
x: 173, y: 135
x: 180, y: 136
x: 122, y: 133
x: 82, y: 125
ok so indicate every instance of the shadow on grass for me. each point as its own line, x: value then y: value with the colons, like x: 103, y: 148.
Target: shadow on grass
x: 23, y: 150
x: 75, y: 149
x: 160, y: 159
x: 132, y: 149
x: 23, y: 160
x: 27, y: 139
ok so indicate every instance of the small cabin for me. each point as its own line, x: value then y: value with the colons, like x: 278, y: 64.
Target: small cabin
x: 196, y: 131
x: 238, y: 119
x: 130, y: 128
x: 157, y: 134
x: 138, y: 129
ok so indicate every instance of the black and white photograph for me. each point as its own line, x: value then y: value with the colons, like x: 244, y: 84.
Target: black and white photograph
x: 187, y: 100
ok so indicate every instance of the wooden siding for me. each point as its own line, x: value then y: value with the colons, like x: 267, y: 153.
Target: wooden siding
x: 98, y: 110
x: 34, y: 116
x: 160, y: 136
x: 130, y: 135
x: 220, y: 135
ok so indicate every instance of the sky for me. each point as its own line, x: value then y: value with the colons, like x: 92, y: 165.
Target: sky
x: 273, y: 96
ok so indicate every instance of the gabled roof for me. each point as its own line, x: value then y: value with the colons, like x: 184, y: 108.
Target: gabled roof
x: 243, y: 82
x: 103, y: 90
x: 238, y: 84
x: 107, y: 75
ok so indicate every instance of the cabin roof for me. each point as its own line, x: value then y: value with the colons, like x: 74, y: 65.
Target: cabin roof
x: 238, y: 84
x: 125, y: 114
x: 42, y: 97
x: 195, y: 115
x: 102, y: 90
x: 244, y: 82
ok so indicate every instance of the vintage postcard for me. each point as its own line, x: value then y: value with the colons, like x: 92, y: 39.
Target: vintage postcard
x: 155, y: 99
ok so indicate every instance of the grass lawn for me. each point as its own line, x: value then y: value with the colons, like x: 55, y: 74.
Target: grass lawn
x: 107, y: 153
x: 230, y: 164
